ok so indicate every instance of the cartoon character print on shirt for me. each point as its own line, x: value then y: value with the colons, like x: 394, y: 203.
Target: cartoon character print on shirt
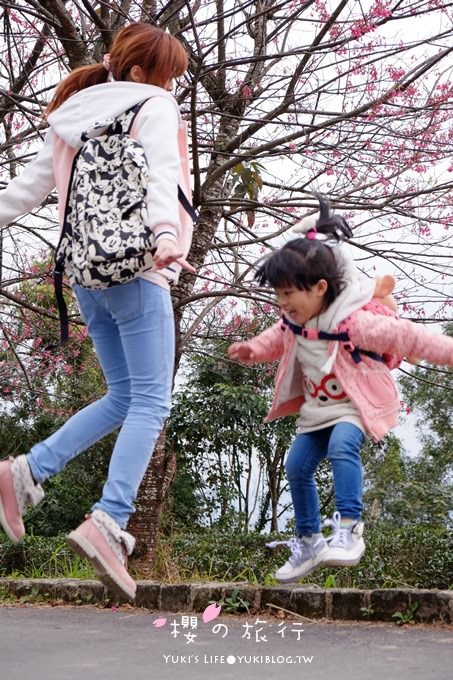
x: 328, y: 389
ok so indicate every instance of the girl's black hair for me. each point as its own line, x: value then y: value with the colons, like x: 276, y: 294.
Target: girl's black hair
x: 329, y: 223
x: 302, y: 263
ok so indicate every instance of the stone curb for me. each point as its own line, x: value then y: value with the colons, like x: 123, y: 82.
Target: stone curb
x: 308, y: 601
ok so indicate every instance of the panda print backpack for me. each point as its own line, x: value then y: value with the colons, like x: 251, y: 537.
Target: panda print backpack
x: 106, y: 239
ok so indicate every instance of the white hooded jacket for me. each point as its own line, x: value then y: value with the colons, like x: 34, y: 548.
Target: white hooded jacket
x: 324, y: 404
x: 158, y: 127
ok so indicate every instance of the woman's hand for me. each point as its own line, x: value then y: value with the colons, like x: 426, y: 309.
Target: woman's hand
x: 241, y: 351
x: 167, y: 251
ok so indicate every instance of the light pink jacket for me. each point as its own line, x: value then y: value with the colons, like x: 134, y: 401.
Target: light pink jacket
x: 369, y: 384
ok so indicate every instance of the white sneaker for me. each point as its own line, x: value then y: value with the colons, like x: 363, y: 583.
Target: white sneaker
x: 346, y: 545
x: 307, y: 553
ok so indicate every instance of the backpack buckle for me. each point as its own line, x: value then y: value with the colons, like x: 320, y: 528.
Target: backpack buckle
x: 353, y: 351
x: 310, y: 333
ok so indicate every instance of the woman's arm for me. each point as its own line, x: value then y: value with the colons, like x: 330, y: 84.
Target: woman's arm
x: 157, y: 131
x: 31, y: 187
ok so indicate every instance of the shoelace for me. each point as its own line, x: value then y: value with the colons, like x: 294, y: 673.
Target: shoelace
x: 339, y: 536
x: 294, y: 544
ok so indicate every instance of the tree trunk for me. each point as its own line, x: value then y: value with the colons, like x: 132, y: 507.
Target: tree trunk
x: 153, y: 494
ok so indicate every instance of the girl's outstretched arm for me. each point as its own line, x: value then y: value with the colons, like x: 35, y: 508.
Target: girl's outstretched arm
x: 387, y: 335
x: 267, y: 346
x: 31, y: 187
x: 241, y: 351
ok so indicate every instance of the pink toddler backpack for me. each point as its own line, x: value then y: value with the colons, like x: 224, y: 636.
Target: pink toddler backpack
x: 391, y: 360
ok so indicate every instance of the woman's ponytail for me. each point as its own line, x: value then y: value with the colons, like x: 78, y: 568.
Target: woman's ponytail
x: 79, y: 79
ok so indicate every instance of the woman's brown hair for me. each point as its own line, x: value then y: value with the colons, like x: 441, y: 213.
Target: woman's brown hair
x: 160, y: 55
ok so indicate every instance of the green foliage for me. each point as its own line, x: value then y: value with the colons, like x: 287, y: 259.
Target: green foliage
x: 71, y: 493
x: 401, y: 490
x: 416, y: 556
x: 216, y: 430
x: 406, y: 617
x: 234, y: 604
x: 247, y: 180
x: 6, y: 597
x: 330, y: 582
x: 221, y: 554
x: 41, y: 557
x: 36, y: 373
x: 431, y: 398
x: 367, y: 611
x: 429, y: 485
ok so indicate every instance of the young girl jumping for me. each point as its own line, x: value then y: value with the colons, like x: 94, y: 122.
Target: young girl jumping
x: 333, y: 371
x: 131, y: 324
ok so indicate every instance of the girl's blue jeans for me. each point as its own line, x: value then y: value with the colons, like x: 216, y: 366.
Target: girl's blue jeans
x: 341, y: 445
x: 132, y: 329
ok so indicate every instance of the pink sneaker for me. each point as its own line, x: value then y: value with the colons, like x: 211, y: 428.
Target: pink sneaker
x: 17, y: 492
x: 101, y: 541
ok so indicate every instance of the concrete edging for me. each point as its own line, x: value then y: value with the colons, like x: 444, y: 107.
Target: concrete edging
x: 308, y: 601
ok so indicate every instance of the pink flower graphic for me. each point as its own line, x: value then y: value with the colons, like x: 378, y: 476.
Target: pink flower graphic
x: 211, y: 612
x: 159, y: 622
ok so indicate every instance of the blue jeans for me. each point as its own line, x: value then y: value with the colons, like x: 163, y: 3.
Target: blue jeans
x: 341, y: 445
x: 132, y: 329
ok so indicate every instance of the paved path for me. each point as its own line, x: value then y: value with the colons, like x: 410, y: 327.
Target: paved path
x: 70, y: 643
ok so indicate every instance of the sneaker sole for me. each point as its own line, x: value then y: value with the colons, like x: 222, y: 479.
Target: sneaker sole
x: 344, y: 562
x: 7, y: 529
x: 294, y: 579
x: 84, y: 549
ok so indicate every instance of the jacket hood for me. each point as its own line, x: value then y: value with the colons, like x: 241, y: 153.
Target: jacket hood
x: 99, y: 103
x: 354, y: 295
x: 357, y: 292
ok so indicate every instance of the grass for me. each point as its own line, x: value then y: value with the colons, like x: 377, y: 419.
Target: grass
x: 416, y: 557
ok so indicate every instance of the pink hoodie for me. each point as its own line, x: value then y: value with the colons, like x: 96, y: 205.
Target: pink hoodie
x: 369, y: 384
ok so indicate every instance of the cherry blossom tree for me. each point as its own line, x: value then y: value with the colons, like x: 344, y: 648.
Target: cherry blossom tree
x: 283, y: 98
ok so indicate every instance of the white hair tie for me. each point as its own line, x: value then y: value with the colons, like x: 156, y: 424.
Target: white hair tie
x: 106, y: 61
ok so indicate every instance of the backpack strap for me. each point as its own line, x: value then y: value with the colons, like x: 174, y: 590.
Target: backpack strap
x: 59, y: 264
x: 186, y: 204
x: 61, y: 304
x: 343, y: 337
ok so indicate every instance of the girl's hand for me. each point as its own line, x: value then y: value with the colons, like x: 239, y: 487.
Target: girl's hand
x: 167, y: 252
x: 241, y: 351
